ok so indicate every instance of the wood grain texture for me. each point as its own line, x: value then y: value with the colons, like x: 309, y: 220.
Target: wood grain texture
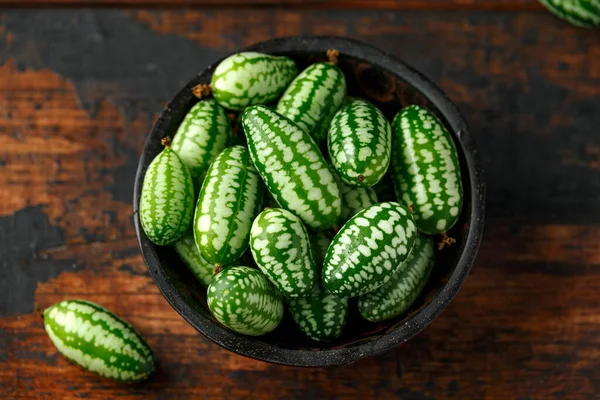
x: 473, y: 5
x: 79, y: 90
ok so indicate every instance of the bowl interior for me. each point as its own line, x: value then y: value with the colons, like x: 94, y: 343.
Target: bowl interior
x: 390, y: 91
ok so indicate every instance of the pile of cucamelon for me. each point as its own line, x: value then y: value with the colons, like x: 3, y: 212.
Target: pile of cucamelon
x: 300, y: 196
x: 317, y: 199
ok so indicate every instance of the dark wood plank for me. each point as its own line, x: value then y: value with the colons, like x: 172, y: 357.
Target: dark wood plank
x: 79, y: 90
x: 476, y: 5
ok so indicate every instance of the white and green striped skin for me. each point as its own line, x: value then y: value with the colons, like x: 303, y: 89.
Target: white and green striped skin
x: 167, y: 199
x: 281, y: 248
x: 190, y: 255
x: 230, y: 198
x: 99, y: 341
x: 398, y: 294
x: 425, y: 169
x: 368, y: 250
x: 203, y: 134
x: 354, y: 198
x: 250, y: 78
x: 243, y: 300
x: 292, y: 167
x: 359, y: 143
x: 313, y: 97
x: 320, y: 316
x: 584, y: 13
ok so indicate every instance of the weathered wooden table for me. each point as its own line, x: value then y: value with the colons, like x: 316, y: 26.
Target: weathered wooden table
x: 80, y: 87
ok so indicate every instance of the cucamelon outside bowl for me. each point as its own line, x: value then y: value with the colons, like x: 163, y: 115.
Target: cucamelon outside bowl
x: 391, y: 85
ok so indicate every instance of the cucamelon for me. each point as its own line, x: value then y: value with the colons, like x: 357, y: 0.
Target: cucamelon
x: 359, y: 142
x: 167, y: 198
x: 98, y: 340
x: 251, y: 78
x: 281, y: 248
x: 426, y: 171
x: 368, y: 250
x: 292, y: 167
x: 313, y: 97
x: 203, y: 134
x: 242, y: 299
x: 397, y: 294
x: 230, y: 199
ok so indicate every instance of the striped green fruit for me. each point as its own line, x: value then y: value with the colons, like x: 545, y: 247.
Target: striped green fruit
x: 281, y: 248
x: 190, y: 255
x: 398, y: 294
x: 425, y: 170
x: 229, y: 200
x: 359, y: 142
x: 354, y: 198
x: 250, y: 78
x: 99, y: 341
x: 584, y: 13
x: 292, y: 167
x: 313, y: 97
x: 368, y: 250
x: 243, y: 300
x: 320, y: 316
x: 167, y: 199
x: 203, y: 134
x: 385, y: 188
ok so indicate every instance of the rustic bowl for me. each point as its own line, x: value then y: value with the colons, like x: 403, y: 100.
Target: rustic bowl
x: 391, y: 85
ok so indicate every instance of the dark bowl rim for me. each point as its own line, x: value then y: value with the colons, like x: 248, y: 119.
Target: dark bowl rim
x: 249, y: 347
